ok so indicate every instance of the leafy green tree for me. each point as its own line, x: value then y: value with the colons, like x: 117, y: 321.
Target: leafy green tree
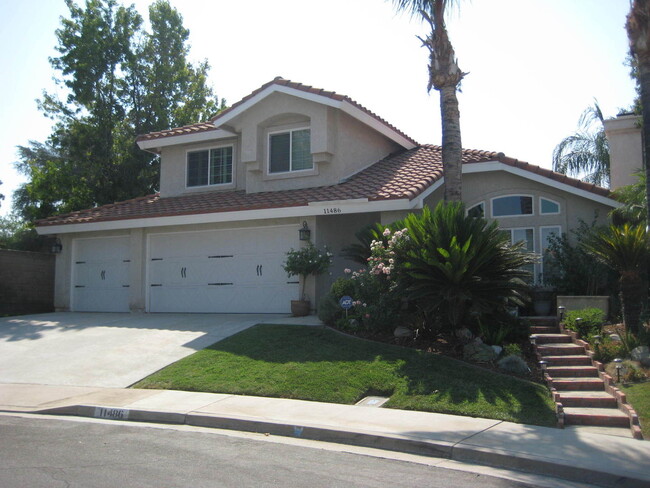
x: 585, y: 154
x: 2, y: 197
x: 120, y: 81
x: 633, y: 197
x: 625, y: 250
x: 445, y: 77
x: 454, y: 265
x: 16, y: 234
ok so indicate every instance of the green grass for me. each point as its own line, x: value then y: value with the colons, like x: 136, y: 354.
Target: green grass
x: 638, y: 395
x: 318, y: 364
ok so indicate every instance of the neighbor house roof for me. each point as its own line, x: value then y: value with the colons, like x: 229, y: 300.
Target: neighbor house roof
x: 405, y: 175
x: 277, y: 83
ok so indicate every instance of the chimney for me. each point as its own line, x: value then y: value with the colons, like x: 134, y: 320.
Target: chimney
x: 625, y: 149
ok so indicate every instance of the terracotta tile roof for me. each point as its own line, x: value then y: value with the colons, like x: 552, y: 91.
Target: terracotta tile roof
x: 401, y: 176
x: 206, y: 126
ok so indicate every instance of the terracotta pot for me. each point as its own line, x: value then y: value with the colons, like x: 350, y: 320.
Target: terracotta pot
x: 300, y: 308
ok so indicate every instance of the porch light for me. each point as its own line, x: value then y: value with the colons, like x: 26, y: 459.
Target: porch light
x: 304, y: 234
x: 561, y: 309
x: 619, y: 366
x: 57, y: 247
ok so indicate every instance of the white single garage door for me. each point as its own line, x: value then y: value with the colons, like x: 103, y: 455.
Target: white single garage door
x: 224, y: 271
x: 100, y: 275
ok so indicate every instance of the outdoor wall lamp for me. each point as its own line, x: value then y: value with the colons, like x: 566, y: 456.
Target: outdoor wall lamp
x: 304, y: 234
x: 561, y: 309
x: 57, y: 247
x: 618, y: 362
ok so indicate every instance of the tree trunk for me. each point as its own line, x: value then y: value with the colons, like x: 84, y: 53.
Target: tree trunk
x: 452, y: 148
x: 644, y: 81
x: 632, y: 295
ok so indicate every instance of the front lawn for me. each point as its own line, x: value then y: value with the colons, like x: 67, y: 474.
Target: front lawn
x: 638, y: 395
x: 318, y: 364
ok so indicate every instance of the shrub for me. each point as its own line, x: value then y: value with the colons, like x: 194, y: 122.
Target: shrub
x: 454, y: 265
x: 512, y: 350
x: 608, y: 350
x: 592, y: 321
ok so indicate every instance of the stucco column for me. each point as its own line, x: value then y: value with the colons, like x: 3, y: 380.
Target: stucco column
x: 137, y: 271
x: 625, y: 149
x: 62, y: 276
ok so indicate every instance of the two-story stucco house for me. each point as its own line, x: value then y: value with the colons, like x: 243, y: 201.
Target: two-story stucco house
x: 235, y: 191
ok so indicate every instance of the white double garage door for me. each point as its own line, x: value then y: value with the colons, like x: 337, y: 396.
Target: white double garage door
x: 218, y: 271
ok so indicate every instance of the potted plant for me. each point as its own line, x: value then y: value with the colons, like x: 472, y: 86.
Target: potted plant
x: 307, y: 260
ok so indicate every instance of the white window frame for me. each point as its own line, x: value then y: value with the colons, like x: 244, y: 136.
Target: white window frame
x: 559, y: 207
x: 515, y: 215
x: 476, y: 205
x: 268, y: 152
x: 208, y: 149
x: 542, y: 247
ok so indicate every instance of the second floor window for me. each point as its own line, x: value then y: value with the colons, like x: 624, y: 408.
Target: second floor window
x: 209, y: 167
x: 290, y: 151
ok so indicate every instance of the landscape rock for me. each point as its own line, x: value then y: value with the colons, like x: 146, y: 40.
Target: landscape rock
x: 403, y: 332
x: 479, y: 352
x: 497, y: 349
x: 615, y: 337
x: 641, y: 354
x: 513, y: 364
x: 464, y: 335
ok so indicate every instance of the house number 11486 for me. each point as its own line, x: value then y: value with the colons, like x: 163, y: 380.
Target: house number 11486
x: 332, y: 211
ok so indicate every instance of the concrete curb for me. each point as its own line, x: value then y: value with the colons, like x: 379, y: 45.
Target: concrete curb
x: 462, y: 451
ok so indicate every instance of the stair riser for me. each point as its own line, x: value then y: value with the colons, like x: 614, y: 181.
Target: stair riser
x: 559, y: 351
x: 553, y: 340
x: 541, y: 329
x: 588, y: 402
x: 577, y: 386
x: 574, y: 373
x: 568, y: 361
x: 600, y: 421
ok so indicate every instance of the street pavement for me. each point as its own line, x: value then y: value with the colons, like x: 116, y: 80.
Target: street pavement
x: 570, y: 454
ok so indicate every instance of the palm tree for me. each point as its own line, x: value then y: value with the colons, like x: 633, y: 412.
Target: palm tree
x: 444, y: 76
x: 586, y: 153
x: 638, y: 33
x: 625, y: 250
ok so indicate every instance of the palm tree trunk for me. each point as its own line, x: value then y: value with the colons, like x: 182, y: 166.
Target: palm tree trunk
x: 452, y: 148
x: 632, y: 287
x: 644, y: 81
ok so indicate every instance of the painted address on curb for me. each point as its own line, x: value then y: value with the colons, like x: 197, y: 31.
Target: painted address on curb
x: 112, y: 413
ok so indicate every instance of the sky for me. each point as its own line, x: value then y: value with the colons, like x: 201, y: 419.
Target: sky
x: 533, y: 65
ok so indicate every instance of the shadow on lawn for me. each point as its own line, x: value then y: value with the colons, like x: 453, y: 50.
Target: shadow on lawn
x: 422, y: 381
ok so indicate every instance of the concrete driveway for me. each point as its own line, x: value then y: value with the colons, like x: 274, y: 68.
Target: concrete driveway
x: 109, y: 349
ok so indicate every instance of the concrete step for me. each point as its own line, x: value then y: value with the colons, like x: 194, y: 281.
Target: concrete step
x: 594, y: 429
x: 578, y: 384
x: 560, y: 349
x: 544, y: 329
x: 602, y: 417
x: 568, y: 360
x: 572, y: 371
x: 551, y: 339
x: 593, y: 399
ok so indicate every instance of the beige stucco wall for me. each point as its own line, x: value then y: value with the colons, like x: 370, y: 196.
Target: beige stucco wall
x: 340, y: 146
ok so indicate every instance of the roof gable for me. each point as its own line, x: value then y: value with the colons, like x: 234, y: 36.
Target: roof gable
x: 206, y: 130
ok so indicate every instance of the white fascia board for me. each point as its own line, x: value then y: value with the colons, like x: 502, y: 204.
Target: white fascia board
x: 499, y: 166
x: 329, y: 208
x: 344, y: 106
x: 186, y: 139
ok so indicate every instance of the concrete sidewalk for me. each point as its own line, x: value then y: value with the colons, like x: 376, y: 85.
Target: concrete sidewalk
x: 574, y: 455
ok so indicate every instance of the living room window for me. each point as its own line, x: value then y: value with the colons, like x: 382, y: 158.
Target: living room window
x: 290, y: 151
x: 209, y: 166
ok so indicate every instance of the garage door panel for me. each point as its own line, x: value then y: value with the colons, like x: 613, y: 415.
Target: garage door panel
x: 101, y: 275
x: 226, y: 271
